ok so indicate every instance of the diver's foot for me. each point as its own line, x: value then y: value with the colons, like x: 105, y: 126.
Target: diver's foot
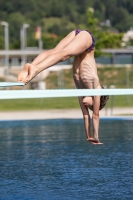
x: 32, y: 72
x: 94, y: 141
x: 90, y: 140
x: 24, y: 73
x: 28, y: 73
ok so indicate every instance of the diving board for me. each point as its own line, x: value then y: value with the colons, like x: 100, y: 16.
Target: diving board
x: 27, y: 94
x: 9, y: 84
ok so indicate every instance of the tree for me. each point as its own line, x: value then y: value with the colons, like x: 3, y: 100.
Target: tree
x: 104, y: 39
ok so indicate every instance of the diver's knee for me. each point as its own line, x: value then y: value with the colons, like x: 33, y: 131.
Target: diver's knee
x: 64, y: 55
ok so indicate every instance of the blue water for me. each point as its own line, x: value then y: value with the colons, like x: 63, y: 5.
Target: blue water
x: 51, y: 160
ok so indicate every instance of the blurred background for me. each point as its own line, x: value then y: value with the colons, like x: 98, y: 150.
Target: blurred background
x: 30, y: 27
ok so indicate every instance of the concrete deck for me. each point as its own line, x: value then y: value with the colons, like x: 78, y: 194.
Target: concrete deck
x: 62, y: 113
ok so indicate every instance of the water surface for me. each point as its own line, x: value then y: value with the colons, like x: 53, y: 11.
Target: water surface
x: 51, y: 160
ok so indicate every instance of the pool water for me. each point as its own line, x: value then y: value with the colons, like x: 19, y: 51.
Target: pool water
x: 51, y: 160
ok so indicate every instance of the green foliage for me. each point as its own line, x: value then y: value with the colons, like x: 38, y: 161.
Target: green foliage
x: 130, y: 42
x: 38, y: 104
x: 104, y: 38
x: 108, y: 40
x: 71, y: 15
x: 1, y: 38
x: 50, y: 41
x: 92, y: 22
